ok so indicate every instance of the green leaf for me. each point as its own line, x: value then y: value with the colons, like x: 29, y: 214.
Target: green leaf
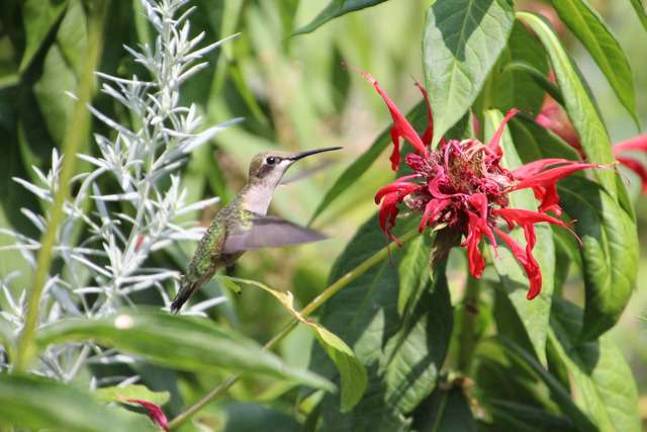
x: 183, y: 343
x: 558, y: 393
x: 414, y: 271
x: 610, y: 248
x: 34, y: 402
x: 50, y: 90
x: 587, y: 25
x: 417, y: 117
x: 72, y: 37
x: 462, y: 41
x: 640, y: 11
x: 521, y: 82
x: 534, y: 313
x: 39, y: 17
x: 402, y: 356
x: 605, y: 386
x: 445, y: 411
x: 609, y: 252
x: 352, y: 372
x: 132, y: 391
x: 336, y: 8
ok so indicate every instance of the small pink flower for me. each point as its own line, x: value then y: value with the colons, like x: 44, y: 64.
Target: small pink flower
x: 462, y: 186
x: 154, y: 412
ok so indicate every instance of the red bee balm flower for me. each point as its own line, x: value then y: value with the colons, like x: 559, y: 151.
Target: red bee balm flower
x: 154, y: 411
x: 462, y: 186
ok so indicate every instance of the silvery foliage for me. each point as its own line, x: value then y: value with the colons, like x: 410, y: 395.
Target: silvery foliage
x: 106, y: 238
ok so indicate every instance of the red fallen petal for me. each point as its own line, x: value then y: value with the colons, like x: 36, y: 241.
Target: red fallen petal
x: 154, y: 412
x: 636, y: 167
x: 432, y: 211
x: 428, y: 134
x: 401, y: 126
x: 535, y: 167
x: 638, y: 143
x: 494, y: 144
x: 553, y: 175
x: 527, y: 261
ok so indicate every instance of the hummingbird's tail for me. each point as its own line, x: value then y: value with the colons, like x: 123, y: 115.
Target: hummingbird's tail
x: 183, y: 295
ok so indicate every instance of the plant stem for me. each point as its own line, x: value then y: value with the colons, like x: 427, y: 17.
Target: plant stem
x: 76, y: 132
x: 315, y: 304
x: 468, y: 337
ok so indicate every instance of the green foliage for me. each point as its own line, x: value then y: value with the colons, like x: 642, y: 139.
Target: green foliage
x: 181, y: 343
x: 610, y: 249
x: 462, y: 41
x: 33, y: 402
x: 336, y: 8
x: 591, y: 30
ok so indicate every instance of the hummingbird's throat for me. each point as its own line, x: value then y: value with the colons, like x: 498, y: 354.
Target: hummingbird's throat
x: 257, y: 198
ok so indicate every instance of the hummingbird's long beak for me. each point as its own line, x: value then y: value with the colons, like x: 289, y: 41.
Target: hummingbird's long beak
x: 301, y: 155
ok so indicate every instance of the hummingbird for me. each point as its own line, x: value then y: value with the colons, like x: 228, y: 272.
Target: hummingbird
x: 244, y: 225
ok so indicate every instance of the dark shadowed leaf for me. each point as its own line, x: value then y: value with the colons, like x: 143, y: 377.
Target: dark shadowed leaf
x: 605, y: 387
x: 336, y: 8
x: 418, y: 118
x: 534, y: 313
x: 180, y: 342
x: 402, y: 355
x: 39, y: 17
x: 610, y: 249
x: 591, y: 30
x: 445, y: 411
x: 462, y: 41
x: 33, y: 402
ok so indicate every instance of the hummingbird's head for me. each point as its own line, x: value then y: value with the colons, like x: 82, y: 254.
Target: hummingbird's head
x: 267, y: 168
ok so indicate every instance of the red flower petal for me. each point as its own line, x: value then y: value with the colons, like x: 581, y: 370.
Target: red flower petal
x: 472, y: 241
x: 527, y: 261
x: 433, y: 209
x: 638, y: 143
x: 428, y: 134
x: 636, y: 167
x: 535, y: 167
x: 494, y: 144
x: 552, y: 175
x: 522, y: 217
x: 401, y: 126
x: 154, y: 412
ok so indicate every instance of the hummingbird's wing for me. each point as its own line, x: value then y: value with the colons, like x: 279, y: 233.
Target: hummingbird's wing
x: 268, y: 231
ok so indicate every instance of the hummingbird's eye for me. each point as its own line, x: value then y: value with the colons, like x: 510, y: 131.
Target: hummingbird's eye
x: 271, y: 160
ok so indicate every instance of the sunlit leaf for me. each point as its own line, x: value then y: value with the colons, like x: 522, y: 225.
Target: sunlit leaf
x: 462, y: 41
x: 640, y: 11
x: 34, y: 402
x: 587, y: 25
x: 353, y: 374
x: 605, y: 387
x: 132, y: 391
x: 183, y: 343
x: 534, y: 314
x: 605, y: 217
x: 336, y: 8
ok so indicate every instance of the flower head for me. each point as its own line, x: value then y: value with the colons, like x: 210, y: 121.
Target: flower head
x: 463, y: 186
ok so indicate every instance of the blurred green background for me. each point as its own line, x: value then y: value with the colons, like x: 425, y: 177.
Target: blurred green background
x: 295, y: 93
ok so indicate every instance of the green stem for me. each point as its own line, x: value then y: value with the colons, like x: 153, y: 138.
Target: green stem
x: 468, y: 337
x: 76, y: 132
x: 311, y: 307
